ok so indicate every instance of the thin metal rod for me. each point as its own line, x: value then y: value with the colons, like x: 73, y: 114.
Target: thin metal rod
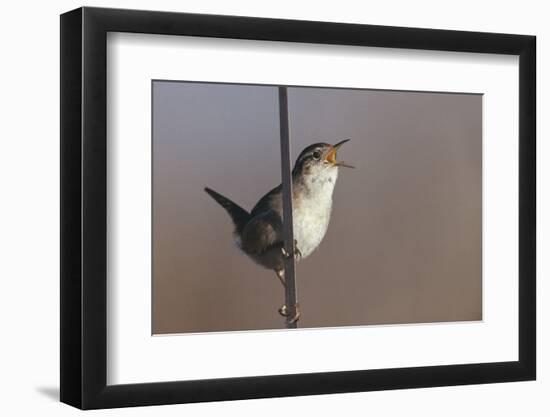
x: 286, y: 170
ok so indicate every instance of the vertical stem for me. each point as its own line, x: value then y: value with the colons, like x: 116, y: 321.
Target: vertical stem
x: 288, y: 233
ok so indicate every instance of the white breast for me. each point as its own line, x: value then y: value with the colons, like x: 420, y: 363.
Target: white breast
x: 311, y: 213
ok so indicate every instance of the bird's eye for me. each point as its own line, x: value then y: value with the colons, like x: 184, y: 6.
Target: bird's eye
x: 317, y: 155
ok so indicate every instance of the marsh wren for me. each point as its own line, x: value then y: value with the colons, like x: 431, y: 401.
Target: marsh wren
x: 259, y: 234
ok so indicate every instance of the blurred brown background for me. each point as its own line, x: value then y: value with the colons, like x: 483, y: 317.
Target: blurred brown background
x: 404, y: 242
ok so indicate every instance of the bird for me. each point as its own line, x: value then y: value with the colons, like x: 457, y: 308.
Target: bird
x: 259, y: 233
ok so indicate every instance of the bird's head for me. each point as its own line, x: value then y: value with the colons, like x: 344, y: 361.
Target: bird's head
x: 319, y: 160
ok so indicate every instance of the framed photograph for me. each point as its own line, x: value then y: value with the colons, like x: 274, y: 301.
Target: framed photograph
x: 257, y: 208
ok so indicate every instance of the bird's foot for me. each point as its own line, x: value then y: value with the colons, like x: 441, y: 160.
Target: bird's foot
x: 285, y: 253
x: 284, y: 311
x: 297, y: 253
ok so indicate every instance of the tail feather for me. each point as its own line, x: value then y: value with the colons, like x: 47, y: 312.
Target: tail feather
x: 239, y: 215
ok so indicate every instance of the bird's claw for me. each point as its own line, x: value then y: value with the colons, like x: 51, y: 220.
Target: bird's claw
x: 297, y: 253
x: 283, y: 311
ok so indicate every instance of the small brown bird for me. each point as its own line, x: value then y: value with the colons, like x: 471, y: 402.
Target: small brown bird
x: 259, y: 234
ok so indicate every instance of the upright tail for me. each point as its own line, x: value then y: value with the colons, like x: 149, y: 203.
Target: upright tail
x: 239, y: 215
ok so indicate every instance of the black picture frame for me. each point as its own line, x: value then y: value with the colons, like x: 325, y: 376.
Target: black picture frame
x: 84, y: 207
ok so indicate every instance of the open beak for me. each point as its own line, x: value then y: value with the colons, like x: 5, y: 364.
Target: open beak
x: 331, y: 157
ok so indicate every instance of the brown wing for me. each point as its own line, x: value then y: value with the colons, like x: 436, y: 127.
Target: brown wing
x: 262, y: 232
x: 271, y: 201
